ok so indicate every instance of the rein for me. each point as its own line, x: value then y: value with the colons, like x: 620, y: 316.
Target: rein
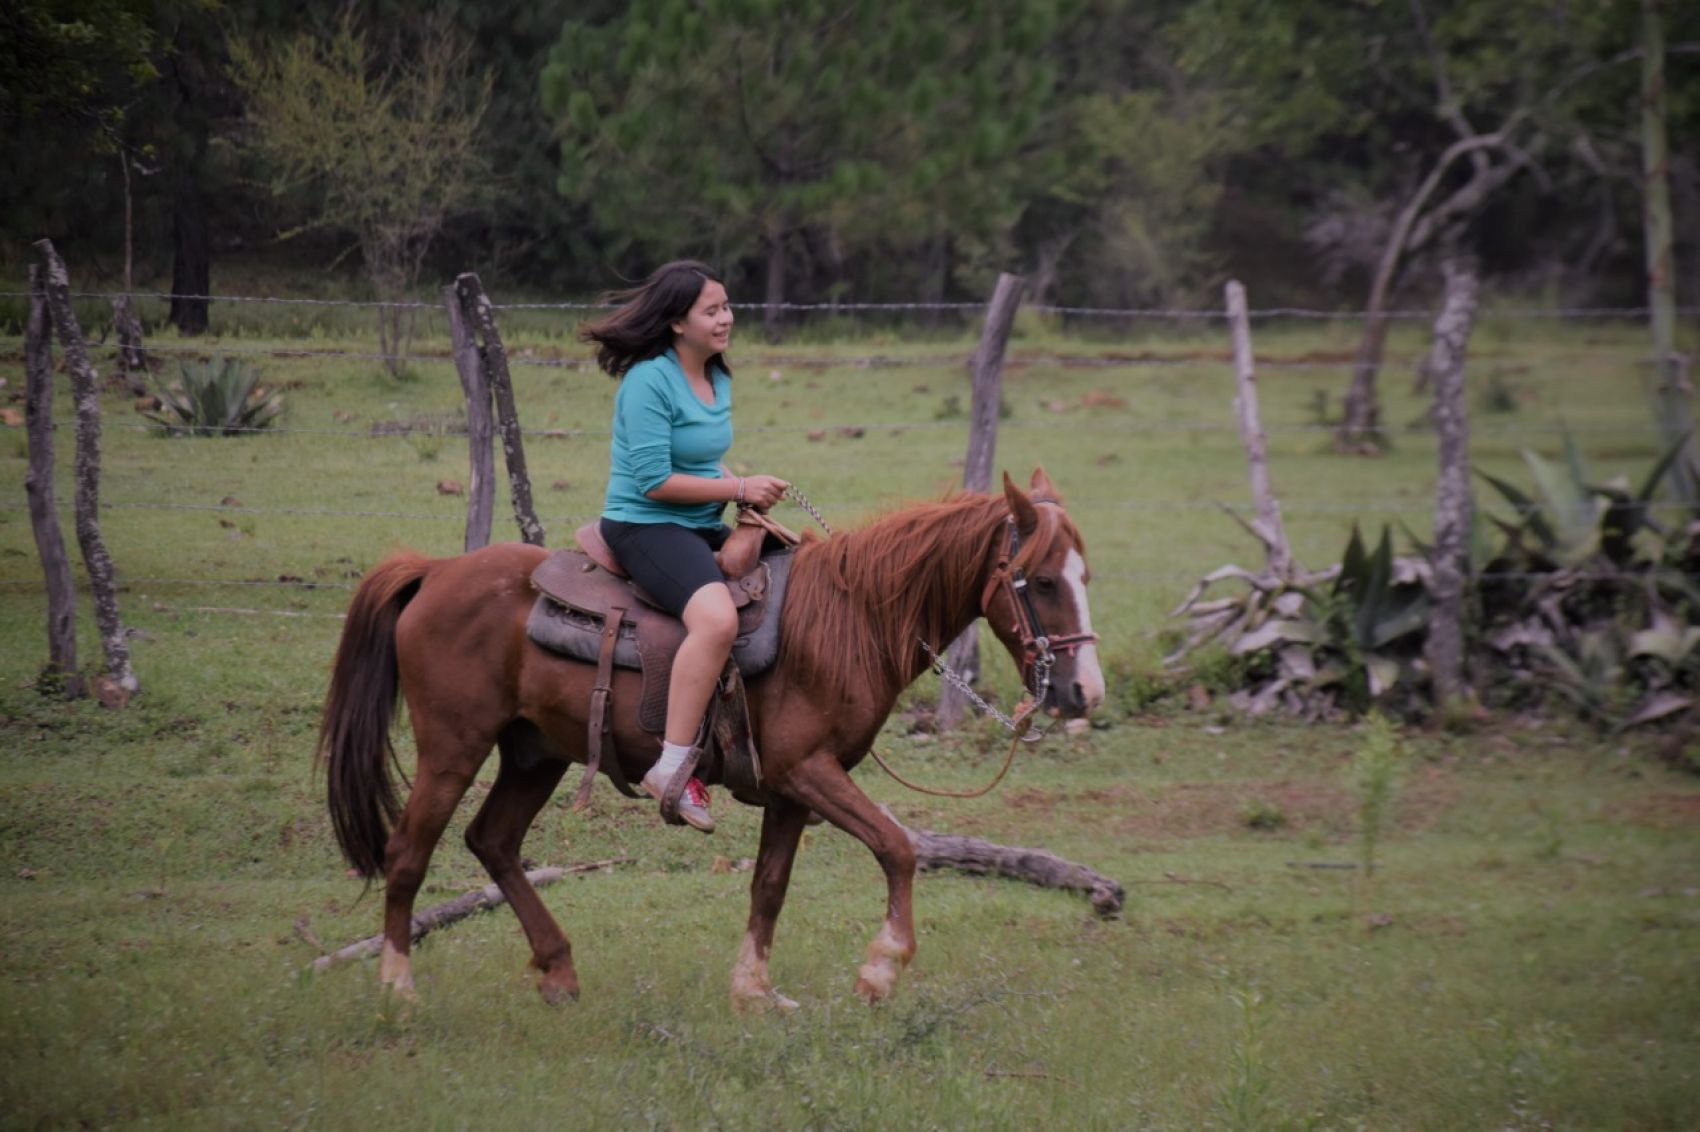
x: 1023, y: 721
x: 1038, y: 652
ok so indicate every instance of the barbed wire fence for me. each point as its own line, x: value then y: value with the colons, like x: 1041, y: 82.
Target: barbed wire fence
x: 1133, y: 368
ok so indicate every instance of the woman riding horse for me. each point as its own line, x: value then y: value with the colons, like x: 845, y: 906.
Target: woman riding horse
x: 862, y: 610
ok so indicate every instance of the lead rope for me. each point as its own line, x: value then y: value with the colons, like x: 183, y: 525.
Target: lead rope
x: 1020, y: 725
x: 814, y: 512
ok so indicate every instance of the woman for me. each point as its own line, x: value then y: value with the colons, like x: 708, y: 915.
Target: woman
x: 667, y: 486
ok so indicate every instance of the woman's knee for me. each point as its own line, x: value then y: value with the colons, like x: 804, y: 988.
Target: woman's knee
x: 711, y: 616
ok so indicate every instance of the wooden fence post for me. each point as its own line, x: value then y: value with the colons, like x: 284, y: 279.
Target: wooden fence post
x: 1267, y: 526
x: 481, y: 317
x: 963, y: 656
x: 1445, y: 646
x: 85, y: 387
x: 44, y: 510
x: 481, y: 491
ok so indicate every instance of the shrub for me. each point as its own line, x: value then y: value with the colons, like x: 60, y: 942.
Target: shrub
x: 1263, y: 815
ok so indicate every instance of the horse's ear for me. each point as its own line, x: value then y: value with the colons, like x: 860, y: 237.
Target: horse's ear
x: 1042, y: 486
x: 1026, y: 515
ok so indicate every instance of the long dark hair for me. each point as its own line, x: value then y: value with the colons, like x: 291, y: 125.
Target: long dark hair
x: 642, y: 327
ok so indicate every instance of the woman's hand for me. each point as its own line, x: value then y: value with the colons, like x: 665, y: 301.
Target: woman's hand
x: 760, y: 492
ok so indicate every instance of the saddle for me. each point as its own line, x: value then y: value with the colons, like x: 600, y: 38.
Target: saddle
x: 588, y: 610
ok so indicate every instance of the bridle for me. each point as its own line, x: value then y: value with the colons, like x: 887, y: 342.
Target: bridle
x: 1038, y: 649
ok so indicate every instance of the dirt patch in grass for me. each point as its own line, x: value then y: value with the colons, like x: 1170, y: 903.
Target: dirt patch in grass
x: 1305, y: 805
x: 1670, y: 811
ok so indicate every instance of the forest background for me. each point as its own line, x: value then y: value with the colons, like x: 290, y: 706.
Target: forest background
x: 1115, y: 153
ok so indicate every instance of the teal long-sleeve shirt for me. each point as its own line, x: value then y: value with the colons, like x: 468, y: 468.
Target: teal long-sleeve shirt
x: 661, y: 427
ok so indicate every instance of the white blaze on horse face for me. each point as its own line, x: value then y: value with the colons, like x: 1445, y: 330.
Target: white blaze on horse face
x: 1086, y: 669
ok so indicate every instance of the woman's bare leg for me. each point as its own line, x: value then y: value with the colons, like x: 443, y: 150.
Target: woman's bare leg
x: 711, y: 625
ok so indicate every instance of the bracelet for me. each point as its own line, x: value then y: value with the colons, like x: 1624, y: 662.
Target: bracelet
x: 740, y: 499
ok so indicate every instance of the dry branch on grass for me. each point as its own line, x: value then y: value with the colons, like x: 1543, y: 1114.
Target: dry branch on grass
x: 457, y: 909
x: 1035, y: 866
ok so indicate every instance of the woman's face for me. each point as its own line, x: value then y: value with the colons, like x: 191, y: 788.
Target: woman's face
x: 707, y: 329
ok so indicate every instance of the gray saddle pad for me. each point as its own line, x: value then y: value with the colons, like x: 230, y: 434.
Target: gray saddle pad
x: 579, y: 635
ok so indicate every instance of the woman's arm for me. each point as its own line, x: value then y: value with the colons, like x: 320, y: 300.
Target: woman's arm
x: 758, y: 491
x: 680, y: 488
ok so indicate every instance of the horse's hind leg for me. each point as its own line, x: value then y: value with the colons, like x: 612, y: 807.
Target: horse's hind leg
x: 445, y: 771
x: 781, y: 826
x: 495, y: 836
x: 823, y: 785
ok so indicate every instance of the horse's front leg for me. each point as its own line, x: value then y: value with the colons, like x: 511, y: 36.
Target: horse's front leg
x: 823, y: 785
x: 781, y: 827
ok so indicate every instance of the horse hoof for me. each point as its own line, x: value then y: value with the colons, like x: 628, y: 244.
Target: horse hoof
x: 875, y: 989
x: 556, y: 994
x: 400, y: 992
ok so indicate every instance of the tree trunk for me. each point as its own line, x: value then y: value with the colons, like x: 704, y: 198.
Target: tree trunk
x: 191, y: 259
x: 963, y: 656
x: 132, y: 355
x: 1676, y: 397
x: 44, y: 512
x: 129, y: 223
x: 86, y: 388
x: 936, y: 284
x: 1047, y: 258
x: 773, y: 313
x: 1361, y: 424
x: 1445, y: 645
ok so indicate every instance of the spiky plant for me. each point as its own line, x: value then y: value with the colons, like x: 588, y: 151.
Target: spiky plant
x: 218, y: 397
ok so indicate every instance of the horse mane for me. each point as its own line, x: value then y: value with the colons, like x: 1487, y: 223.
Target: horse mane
x: 858, y: 603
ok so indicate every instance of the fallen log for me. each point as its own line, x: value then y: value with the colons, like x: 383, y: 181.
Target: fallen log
x: 978, y: 857
x: 457, y: 909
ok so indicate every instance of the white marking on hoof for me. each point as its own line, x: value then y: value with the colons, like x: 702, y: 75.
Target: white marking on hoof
x: 886, y: 960
x: 751, y: 988
x: 395, y: 973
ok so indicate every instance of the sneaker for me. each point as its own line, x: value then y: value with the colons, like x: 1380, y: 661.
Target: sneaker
x: 693, y: 803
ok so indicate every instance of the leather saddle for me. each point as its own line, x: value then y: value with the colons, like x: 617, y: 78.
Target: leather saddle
x: 588, y: 610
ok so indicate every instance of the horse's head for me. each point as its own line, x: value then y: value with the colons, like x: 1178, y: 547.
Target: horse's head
x: 1035, y: 600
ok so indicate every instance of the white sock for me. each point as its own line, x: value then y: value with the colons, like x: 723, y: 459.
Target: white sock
x: 672, y: 758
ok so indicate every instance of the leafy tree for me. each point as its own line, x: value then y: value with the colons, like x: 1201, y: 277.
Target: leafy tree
x: 70, y: 73
x: 1435, y: 111
x: 390, y: 149
x: 1120, y: 183
x: 817, y: 130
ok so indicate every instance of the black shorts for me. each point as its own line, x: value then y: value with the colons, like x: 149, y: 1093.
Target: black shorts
x: 671, y: 562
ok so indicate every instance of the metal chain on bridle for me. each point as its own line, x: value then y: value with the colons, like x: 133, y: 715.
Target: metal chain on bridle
x: 1019, y: 726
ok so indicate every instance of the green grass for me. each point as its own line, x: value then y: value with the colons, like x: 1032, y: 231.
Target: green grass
x: 1524, y: 958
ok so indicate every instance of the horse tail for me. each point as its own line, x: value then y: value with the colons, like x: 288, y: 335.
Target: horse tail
x: 354, y: 735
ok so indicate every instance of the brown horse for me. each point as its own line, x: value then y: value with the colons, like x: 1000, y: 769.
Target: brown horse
x: 449, y: 635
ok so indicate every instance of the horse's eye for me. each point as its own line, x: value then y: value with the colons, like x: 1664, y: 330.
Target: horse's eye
x: 1045, y: 585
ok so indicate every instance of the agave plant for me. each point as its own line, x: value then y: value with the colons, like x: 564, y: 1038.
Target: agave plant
x: 1590, y: 598
x: 222, y: 396
x: 1587, y: 599
x: 1342, y: 638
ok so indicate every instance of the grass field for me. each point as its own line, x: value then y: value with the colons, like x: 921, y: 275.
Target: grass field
x: 1522, y: 956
